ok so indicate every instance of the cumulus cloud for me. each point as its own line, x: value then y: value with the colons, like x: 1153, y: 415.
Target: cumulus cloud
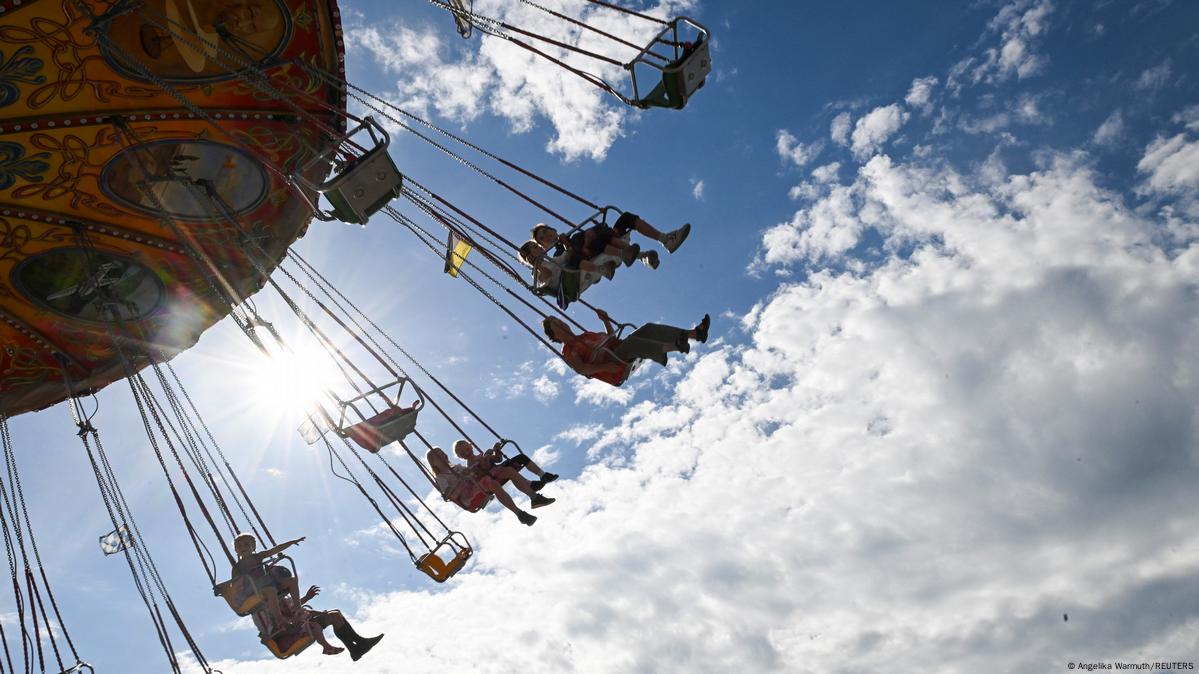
x: 972, y: 414
x: 1020, y: 26
x: 839, y: 129
x: 1171, y: 167
x: 791, y: 150
x: 925, y: 460
x: 505, y: 80
x: 580, y: 434
x: 544, y: 389
x: 873, y: 130
x: 921, y: 93
x: 827, y: 173
x: 597, y: 392
x: 822, y: 230
x: 697, y: 189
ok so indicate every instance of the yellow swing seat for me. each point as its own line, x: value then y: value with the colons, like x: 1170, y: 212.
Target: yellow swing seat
x: 287, y: 644
x: 437, y: 567
x: 239, y: 601
x: 243, y: 595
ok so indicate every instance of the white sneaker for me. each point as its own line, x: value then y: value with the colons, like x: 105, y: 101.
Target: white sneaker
x: 672, y: 240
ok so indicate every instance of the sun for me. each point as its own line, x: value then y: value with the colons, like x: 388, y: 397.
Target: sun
x: 292, y: 380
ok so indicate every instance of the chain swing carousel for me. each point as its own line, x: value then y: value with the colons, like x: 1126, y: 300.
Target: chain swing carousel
x: 158, y: 158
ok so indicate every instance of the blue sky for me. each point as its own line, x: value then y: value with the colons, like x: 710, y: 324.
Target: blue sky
x: 951, y: 255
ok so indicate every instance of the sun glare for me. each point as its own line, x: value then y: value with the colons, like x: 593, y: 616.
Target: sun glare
x: 291, y: 381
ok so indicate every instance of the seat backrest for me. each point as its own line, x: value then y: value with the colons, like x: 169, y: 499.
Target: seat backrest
x: 685, y: 77
x: 239, y: 594
x: 364, y: 187
x: 439, y: 569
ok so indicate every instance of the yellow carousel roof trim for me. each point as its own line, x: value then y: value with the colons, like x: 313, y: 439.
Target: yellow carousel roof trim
x: 140, y: 184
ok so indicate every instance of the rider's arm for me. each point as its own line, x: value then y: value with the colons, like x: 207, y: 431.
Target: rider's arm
x: 271, y: 552
x: 607, y: 320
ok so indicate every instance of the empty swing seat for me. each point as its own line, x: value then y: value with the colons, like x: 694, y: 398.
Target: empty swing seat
x: 362, y: 185
x: 439, y: 569
x: 384, y: 428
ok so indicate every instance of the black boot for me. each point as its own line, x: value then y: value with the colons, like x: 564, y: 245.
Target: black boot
x: 346, y: 635
x: 364, y: 645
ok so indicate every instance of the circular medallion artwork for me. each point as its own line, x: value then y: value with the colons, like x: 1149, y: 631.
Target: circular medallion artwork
x: 174, y: 173
x: 197, y: 41
x: 90, y: 285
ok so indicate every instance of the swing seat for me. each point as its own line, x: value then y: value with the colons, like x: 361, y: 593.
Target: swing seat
x: 286, y: 644
x: 234, y: 594
x: 572, y: 283
x: 78, y: 667
x: 439, y: 569
x: 361, y: 186
x: 373, y: 433
x: 384, y: 428
x: 243, y: 595
x: 681, y: 79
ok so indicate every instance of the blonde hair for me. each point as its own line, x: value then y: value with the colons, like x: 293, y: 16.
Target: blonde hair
x: 526, y: 251
x: 438, y: 466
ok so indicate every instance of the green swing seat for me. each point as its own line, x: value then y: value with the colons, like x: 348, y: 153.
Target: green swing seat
x: 680, y: 80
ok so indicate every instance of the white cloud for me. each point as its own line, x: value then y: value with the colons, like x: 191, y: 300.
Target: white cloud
x: 873, y: 130
x: 827, y: 173
x: 986, y: 124
x: 920, y: 94
x: 790, y: 149
x: 596, y: 392
x: 1111, y: 130
x: 580, y: 434
x: 821, y: 176
x: 1021, y: 26
x: 921, y: 464
x: 505, y: 80
x: 825, y: 229
x: 545, y: 456
x: 544, y: 389
x: 1189, y: 116
x: 697, y: 189
x: 1027, y: 109
x: 839, y: 129
x: 1155, y: 78
x: 1172, y: 168
x: 1023, y: 109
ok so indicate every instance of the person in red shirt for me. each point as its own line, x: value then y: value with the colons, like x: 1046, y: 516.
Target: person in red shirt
x: 611, y: 359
